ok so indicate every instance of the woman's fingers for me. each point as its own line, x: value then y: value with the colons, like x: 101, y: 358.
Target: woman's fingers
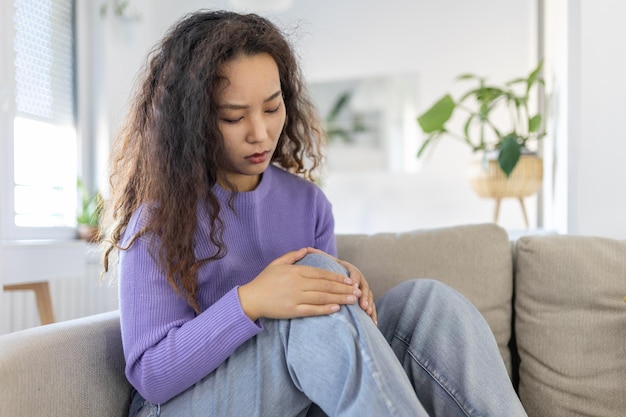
x: 320, y: 276
x: 290, y: 258
x: 366, y: 301
x: 283, y: 290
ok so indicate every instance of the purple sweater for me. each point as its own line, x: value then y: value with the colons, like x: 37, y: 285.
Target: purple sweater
x: 168, y: 348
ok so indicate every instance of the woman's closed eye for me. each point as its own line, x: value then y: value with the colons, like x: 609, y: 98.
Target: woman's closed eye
x: 231, y: 120
x: 273, y: 110
x: 236, y: 119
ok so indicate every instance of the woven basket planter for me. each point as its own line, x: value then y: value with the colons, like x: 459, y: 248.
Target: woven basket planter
x: 88, y: 233
x: 491, y: 182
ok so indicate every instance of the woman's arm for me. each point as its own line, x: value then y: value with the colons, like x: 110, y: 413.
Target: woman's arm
x: 167, y: 347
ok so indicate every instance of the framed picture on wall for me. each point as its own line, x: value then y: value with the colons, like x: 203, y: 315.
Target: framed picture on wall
x: 370, y: 122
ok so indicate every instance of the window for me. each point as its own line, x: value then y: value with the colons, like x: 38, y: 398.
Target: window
x: 38, y: 120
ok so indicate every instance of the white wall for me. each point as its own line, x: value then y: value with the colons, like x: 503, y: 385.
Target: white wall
x: 111, y: 52
x: 357, y: 38
x: 601, y: 190
x: 555, y: 214
x: 587, y: 64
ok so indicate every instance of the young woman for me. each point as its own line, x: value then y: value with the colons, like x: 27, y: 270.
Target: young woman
x: 231, y: 300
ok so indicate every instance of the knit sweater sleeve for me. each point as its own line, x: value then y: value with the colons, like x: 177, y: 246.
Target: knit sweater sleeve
x: 167, y: 347
x: 325, y: 228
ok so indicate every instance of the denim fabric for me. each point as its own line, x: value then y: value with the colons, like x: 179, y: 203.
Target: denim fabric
x: 447, y: 350
x: 345, y: 365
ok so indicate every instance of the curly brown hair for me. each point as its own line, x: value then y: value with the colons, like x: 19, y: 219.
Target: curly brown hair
x: 168, y: 154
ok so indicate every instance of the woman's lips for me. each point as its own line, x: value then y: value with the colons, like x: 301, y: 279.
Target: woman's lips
x: 258, y: 158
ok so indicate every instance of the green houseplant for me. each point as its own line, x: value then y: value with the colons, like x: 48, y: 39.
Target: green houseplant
x: 90, y: 210
x: 344, y: 130
x: 486, y: 128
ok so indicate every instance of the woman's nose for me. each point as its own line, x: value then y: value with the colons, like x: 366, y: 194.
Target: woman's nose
x: 257, y: 131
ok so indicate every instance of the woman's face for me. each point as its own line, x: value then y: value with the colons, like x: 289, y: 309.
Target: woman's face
x: 251, y: 116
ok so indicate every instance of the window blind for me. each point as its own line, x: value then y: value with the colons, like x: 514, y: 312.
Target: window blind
x: 44, y: 49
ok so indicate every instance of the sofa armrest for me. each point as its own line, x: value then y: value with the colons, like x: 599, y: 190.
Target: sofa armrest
x: 72, y: 368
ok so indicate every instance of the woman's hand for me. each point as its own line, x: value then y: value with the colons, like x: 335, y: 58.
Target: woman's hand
x: 284, y: 290
x: 366, y: 300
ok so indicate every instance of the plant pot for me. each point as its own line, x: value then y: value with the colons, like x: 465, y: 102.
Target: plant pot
x: 489, y: 181
x: 88, y: 233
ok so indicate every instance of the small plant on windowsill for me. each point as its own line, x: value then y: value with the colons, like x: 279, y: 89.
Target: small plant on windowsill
x: 482, y: 104
x: 88, y: 218
x: 120, y: 9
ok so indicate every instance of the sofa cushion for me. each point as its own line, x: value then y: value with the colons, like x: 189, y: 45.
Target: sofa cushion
x: 71, y: 369
x: 571, y: 325
x: 473, y: 259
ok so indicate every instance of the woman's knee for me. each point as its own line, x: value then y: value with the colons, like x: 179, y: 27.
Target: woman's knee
x: 420, y: 287
x: 442, y: 292
x: 411, y: 297
x: 318, y: 260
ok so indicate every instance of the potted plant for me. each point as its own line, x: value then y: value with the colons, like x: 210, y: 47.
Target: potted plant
x: 499, y: 124
x: 481, y: 132
x: 88, y: 218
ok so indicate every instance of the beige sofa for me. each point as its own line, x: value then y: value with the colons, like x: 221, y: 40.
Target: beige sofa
x: 555, y: 304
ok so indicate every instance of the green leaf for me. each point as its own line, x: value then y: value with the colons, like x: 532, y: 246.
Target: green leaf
x: 535, y: 73
x: 483, y: 94
x: 488, y: 94
x: 337, y: 132
x: 434, y: 119
x: 534, y: 77
x: 468, y: 125
x: 468, y: 76
x: 534, y: 123
x: 339, y: 105
x: 517, y: 81
x: 510, y: 151
x: 91, y: 206
x: 427, y: 142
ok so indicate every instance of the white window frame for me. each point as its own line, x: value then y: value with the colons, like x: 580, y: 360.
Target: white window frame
x: 9, y: 231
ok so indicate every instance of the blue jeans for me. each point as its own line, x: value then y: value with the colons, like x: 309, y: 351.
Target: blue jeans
x: 433, y: 354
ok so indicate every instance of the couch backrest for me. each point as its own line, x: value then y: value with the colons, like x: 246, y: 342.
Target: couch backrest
x: 474, y: 259
x: 571, y: 325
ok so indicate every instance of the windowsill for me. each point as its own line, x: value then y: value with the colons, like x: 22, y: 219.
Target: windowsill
x: 26, y: 261
x: 44, y: 242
